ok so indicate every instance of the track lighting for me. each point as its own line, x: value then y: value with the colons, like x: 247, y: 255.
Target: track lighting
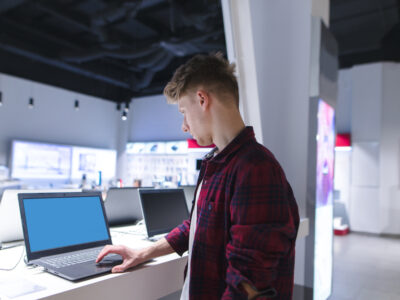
x: 31, y: 103
x: 1, y: 99
x: 76, y: 105
x: 124, y: 115
x: 126, y: 107
x: 118, y: 106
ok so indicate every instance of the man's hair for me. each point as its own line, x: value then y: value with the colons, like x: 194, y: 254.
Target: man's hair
x: 213, y: 72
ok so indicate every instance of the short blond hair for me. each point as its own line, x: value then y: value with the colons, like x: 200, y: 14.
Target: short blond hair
x: 213, y: 72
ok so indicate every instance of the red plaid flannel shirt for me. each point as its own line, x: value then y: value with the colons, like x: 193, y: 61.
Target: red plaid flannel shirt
x: 247, y: 221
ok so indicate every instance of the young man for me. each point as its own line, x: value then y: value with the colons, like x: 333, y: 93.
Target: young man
x: 243, y: 226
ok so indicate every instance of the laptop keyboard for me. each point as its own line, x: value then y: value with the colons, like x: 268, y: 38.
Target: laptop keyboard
x: 72, y: 259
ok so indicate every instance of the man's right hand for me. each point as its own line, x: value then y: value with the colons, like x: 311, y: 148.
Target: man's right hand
x: 130, y: 257
x: 133, y: 257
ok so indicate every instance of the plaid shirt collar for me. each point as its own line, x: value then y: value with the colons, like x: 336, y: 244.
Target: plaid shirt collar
x: 242, y: 138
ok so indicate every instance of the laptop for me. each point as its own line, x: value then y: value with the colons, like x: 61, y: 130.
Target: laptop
x: 65, y: 232
x: 163, y: 210
x: 123, y: 206
x: 10, y: 220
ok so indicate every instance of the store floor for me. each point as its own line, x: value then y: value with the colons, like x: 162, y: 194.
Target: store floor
x: 366, y: 268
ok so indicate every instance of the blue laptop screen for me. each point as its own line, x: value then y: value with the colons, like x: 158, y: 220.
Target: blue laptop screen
x: 59, y: 222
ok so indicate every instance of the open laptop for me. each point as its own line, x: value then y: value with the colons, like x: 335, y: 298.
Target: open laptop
x: 10, y: 220
x: 64, y: 233
x: 163, y: 210
x: 123, y: 206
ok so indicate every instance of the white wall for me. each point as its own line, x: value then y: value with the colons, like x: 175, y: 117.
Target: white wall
x: 390, y: 150
x: 53, y: 118
x: 343, y: 105
x: 372, y: 91
x: 153, y: 119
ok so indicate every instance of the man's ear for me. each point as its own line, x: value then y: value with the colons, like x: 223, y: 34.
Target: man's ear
x: 204, y: 99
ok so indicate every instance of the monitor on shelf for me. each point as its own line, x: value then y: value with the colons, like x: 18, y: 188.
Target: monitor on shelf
x: 91, y: 161
x: 32, y: 160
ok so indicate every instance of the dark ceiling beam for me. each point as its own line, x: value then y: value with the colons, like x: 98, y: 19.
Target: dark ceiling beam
x: 179, y: 47
x: 187, y: 45
x: 7, y: 45
x: 152, y: 23
x: 11, y: 27
x: 109, y: 39
x: 158, y: 65
x: 116, y: 12
x: 24, y: 67
x: 73, y: 19
x: 41, y: 37
x: 89, y: 55
x: 200, y: 19
x: 150, y: 6
x: 6, y: 5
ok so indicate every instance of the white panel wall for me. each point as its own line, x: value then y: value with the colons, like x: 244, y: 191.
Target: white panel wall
x: 364, y: 209
x: 344, y: 105
x: 365, y: 164
x: 342, y: 177
x: 375, y: 122
x: 366, y: 102
x: 53, y: 118
x: 390, y: 150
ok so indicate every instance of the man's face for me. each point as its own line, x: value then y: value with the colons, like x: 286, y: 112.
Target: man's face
x: 194, y: 118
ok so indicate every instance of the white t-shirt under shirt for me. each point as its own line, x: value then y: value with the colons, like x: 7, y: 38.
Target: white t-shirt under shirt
x: 193, y: 223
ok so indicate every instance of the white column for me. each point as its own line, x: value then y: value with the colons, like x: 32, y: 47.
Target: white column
x: 271, y: 46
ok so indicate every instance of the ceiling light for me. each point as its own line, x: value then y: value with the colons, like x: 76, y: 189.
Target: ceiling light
x: 31, y: 103
x: 118, y: 106
x: 76, y: 105
x: 1, y: 99
x: 126, y: 107
x: 124, y: 116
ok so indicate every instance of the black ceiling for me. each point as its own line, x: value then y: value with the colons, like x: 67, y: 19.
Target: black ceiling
x: 124, y: 49
x: 366, y: 30
x: 115, y: 50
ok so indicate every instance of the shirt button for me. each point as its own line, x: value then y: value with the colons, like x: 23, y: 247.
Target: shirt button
x: 209, y: 206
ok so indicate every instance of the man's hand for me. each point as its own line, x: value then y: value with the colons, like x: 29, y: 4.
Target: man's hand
x: 133, y: 257
x: 251, y: 292
x: 130, y: 257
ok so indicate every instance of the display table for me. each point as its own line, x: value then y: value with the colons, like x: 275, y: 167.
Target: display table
x: 152, y: 280
x: 155, y: 279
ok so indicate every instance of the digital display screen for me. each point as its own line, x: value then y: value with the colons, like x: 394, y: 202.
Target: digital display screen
x: 59, y: 222
x: 324, y: 203
x: 91, y: 161
x: 40, y: 161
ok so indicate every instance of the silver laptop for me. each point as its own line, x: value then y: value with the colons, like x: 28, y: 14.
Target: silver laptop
x: 123, y: 206
x: 10, y: 220
x: 64, y: 233
x: 163, y: 210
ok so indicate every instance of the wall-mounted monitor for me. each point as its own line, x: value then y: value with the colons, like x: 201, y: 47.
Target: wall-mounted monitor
x: 31, y: 160
x: 91, y: 161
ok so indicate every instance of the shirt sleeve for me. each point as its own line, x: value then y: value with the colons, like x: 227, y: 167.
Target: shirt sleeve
x: 264, y: 223
x: 178, y: 238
